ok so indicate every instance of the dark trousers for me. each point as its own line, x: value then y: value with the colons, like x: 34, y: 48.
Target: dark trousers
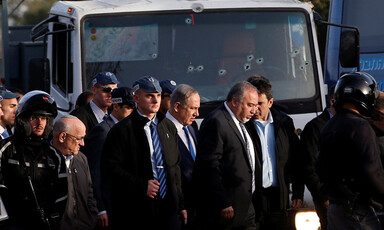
x: 322, y: 213
x: 207, y: 222
x: 272, y: 216
x: 166, y: 215
x: 363, y: 217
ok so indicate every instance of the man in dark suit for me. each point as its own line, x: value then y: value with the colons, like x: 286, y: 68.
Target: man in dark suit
x: 80, y: 212
x: 227, y: 176
x: 278, y: 146
x: 309, y: 148
x: 96, y: 110
x: 122, y: 106
x: 184, y: 108
x: 142, y: 162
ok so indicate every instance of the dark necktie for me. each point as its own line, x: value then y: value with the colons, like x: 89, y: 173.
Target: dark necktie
x: 105, y: 117
x: 190, y: 145
x: 249, y: 154
x: 158, y: 159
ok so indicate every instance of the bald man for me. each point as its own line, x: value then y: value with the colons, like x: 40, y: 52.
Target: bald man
x: 81, y: 210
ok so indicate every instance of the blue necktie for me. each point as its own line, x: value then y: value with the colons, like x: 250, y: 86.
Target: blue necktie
x: 158, y: 159
x: 249, y: 154
x: 189, y: 142
x: 5, y: 134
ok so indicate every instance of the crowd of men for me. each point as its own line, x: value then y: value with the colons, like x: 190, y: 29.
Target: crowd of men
x: 134, y: 157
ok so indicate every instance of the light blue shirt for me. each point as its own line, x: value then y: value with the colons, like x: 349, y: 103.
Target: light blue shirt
x: 266, y: 132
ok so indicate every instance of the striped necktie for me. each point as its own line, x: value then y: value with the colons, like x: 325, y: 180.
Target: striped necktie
x: 190, y: 145
x: 5, y: 134
x: 249, y: 154
x: 158, y: 159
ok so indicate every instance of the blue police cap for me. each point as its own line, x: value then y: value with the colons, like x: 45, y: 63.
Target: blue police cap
x: 148, y: 84
x: 168, y: 86
x: 105, y: 78
x: 123, y: 95
x: 6, y: 94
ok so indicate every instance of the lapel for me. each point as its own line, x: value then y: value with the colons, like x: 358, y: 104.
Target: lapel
x: 110, y: 122
x: 233, y: 126
x: 193, y: 134
x: 92, y: 116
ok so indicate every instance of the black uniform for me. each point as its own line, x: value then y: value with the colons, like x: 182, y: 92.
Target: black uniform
x: 349, y: 164
x: 22, y: 158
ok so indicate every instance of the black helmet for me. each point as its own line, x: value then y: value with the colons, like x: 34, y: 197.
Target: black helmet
x: 37, y: 102
x: 358, y: 88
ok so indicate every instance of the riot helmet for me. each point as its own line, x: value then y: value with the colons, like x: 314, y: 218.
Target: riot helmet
x: 35, y: 103
x: 358, y: 88
x: 38, y: 103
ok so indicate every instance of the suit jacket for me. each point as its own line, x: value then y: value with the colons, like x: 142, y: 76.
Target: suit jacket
x: 223, y: 174
x: 86, y: 115
x: 287, y: 157
x: 95, y: 142
x: 126, y: 161
x: 309, y: 147
x: 81, y: 211
x: 187, y: 165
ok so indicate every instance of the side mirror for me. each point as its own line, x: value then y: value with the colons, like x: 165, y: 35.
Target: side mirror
x: 349, y: 49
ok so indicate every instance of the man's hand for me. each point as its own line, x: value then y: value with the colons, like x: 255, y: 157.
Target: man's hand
x: 184, y: 216
x: 227, y: 213
x: 297, y: 203
x: 153, y: 188
x: 102, y: 220
x: 326, y: 204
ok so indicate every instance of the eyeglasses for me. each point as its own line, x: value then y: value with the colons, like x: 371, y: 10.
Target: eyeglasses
x: 106, y: 89
x: 38, y: 117
x: 77, y: 139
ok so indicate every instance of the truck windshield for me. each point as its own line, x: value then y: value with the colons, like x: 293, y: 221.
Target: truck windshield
x: 210, y: 51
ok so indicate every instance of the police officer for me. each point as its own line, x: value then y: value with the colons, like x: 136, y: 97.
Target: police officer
x: 349, y: 164
x: 33, y: 171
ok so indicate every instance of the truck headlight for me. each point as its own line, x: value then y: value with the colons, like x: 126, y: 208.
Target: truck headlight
x: 307, y: 220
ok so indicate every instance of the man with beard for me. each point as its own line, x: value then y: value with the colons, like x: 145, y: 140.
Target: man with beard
x: 32, y: 171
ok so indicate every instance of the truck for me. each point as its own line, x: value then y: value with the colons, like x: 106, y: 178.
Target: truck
x: 210, y: 45
x: 367, y: 17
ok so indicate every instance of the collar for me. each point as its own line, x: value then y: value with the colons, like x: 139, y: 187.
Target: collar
x: 97, y: 111
x: 178, y: 125
x: 268, y: 121
x: 231, y: 113
x: 2, y: 129
x: 154, y: 120
x: 113, y: 118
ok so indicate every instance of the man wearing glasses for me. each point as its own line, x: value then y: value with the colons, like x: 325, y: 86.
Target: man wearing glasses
x: 96, y: 111
x: 81, y: 210
x: 33, y: 172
